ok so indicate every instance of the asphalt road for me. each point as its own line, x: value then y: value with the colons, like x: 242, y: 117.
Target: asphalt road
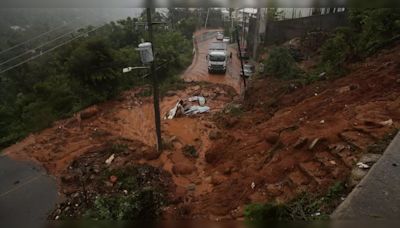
x: 27, y: 194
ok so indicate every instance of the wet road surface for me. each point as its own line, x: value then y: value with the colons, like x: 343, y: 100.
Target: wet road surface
x: 198, y: 71
x: 27, y: 194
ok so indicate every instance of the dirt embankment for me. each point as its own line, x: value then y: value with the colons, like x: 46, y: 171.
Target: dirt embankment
x: 291, y: 140
x: 282, y: 141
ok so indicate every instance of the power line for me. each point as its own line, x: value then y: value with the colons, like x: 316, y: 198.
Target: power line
x: 27, y: 41
x: 49, y: 50
x: 38, y: 47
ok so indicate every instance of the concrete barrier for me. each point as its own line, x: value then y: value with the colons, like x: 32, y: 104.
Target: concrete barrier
x: 377, y: 196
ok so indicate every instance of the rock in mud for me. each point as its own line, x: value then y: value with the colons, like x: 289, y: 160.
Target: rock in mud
x: 356, y: 176
x: 370, y: 159
x: 183, y: 169
x: 89, y: 112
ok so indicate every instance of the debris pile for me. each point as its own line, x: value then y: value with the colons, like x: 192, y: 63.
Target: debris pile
x: 183, y: 107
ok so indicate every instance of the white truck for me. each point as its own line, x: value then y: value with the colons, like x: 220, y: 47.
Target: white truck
x: 217, y: 61
x: 217, y: 57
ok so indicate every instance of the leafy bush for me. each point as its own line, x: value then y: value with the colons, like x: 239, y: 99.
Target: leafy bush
x: 281, y: 64
x: 369, y: 31
x: 265, y: 212
x: 94, y: 65
x: 305, y: 207
x: 336, y: 51
x: 375, y: 27
x: 233, y: 109
x: 144, y: 204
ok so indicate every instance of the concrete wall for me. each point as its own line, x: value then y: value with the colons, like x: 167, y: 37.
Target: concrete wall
x: 278, y: 32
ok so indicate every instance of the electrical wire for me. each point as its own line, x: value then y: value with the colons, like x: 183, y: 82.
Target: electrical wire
x: 38, y: 47
x: 34, y: 38
x: 49, y: 50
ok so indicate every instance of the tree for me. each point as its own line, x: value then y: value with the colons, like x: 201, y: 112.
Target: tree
x: 93, y: 64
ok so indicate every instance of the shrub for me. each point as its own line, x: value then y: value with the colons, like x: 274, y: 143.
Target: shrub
x: 144, y: 204
x: 378, y: 27
x: 336, y: 51
x: 304, y: 207
x: 369, y: 31
x: 264, y: 212
x: 234, y: 109
x: 281, y: 64
x: 94, y: 65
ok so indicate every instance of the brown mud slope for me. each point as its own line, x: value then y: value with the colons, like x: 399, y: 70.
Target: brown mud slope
x: 292, y: 140
x: 130, y: 117
x: 282, y: 141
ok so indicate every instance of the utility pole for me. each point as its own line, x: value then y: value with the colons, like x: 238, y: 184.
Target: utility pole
x: 208, y: 12
x: 240, y: 58
x: 257, y: 34
x: 243, y: 25
x: 156, y: 93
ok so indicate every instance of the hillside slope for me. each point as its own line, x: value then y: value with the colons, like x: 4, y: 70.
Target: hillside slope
x: 282, y: 141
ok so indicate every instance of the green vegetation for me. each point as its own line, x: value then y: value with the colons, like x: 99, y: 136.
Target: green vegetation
x: 369, y: 31
x: 268, y: 211
x: 233, y: 109
x: 141, y: 195
x: 143, y: 204
x: 281, y: 64
x: 88, y: 71
x: 303, y: 208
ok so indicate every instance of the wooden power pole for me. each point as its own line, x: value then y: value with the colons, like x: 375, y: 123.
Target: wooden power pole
x: 156, y: 92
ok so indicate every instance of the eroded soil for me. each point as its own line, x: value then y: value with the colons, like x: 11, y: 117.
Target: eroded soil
x: 282, y: 140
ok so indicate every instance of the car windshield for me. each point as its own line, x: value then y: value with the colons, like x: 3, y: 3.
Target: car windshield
x: 217, y: 58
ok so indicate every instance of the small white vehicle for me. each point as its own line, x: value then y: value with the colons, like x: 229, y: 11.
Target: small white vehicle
x: 217, y: 61
x: 226, y: 40
x: 248, y: 70
x: 220, y: 36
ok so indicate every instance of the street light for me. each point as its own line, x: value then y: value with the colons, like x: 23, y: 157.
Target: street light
x: 129, y: 69
x: 146, y: 50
